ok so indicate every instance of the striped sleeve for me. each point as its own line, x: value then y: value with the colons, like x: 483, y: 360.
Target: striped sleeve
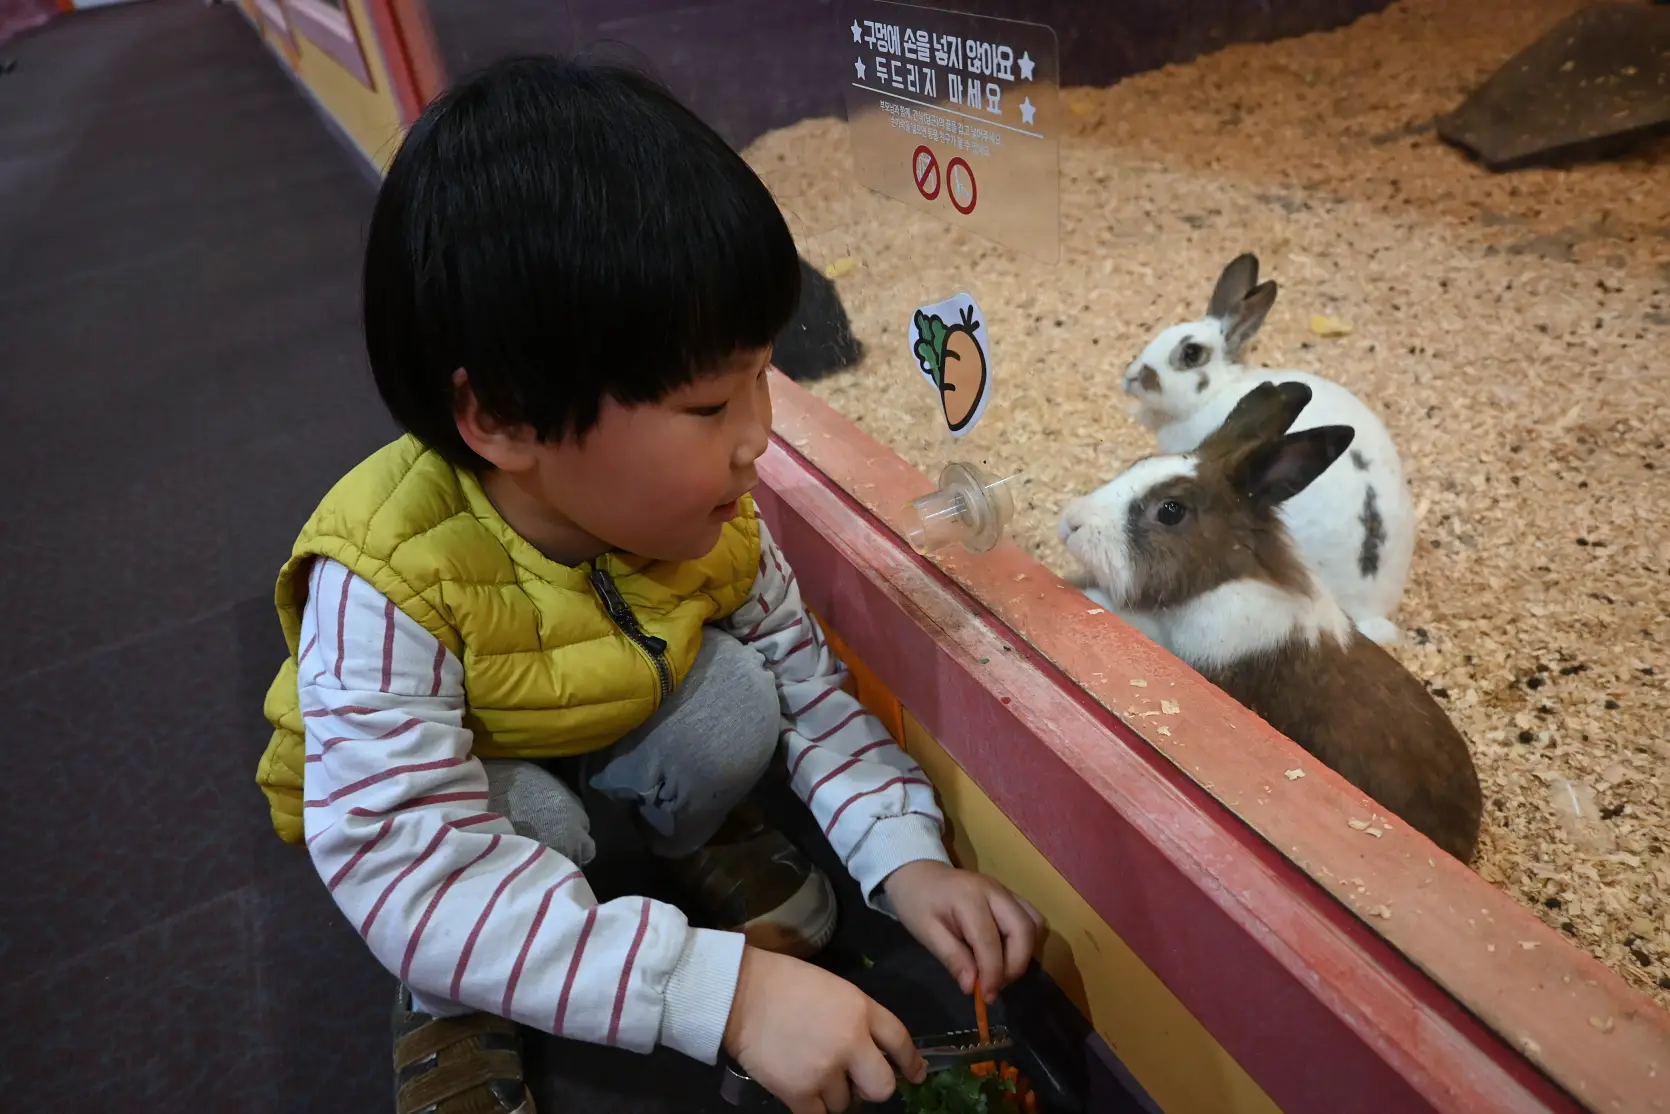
x: 874, y: 803
x: 446, y: 894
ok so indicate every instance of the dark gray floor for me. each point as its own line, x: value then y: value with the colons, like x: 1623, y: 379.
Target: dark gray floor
x: 181, y: 379
x: 181, y: 382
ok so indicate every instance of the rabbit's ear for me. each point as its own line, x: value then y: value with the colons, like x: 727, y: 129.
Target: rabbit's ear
x: 1263, y: 414
x: 1247, y: 318
x: 1236, y: 282
x: 1275, y: 473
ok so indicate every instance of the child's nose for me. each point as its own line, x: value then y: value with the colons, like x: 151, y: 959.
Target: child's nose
x: 753, y: 445
x: 756, y: 436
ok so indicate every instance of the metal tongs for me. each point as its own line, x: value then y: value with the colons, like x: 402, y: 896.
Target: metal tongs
x: 942, y: 1051
x: 960, y: 1049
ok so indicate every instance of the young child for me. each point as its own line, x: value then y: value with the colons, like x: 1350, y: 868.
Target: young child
x: 555, y: 584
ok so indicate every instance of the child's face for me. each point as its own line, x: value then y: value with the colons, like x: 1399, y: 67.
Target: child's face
x: 658, y: 480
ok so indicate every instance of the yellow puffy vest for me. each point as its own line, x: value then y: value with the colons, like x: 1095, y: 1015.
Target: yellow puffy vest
x: 548, y: 671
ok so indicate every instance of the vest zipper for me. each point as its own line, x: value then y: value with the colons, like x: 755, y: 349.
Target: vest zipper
x: 655, y: 649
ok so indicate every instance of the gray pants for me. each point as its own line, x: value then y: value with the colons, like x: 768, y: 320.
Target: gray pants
x: 684, y: 768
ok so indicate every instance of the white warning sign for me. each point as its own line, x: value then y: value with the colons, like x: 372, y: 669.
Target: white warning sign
x: 956, y: 114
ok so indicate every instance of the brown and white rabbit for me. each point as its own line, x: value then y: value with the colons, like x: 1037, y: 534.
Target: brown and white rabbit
x: 1190, y: 549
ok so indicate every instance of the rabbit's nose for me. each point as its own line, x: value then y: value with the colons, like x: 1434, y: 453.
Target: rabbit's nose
x: 1141, y: 377
x: 1070, y: 523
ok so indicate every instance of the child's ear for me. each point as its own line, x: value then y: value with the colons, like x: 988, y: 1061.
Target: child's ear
x: 509, y: 447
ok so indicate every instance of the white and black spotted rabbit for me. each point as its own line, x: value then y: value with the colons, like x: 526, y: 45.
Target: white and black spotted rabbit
x: 1356, y: 523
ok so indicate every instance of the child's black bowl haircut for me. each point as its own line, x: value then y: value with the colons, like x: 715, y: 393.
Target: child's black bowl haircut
x: 564, y: 233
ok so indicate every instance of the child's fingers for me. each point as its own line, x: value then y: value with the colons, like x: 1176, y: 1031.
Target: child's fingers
x: 979, y: 931
x: 938, y: 938
x: 893, y: 1038
x: 836, y: 1092
x: 805, y: 1104
x: 872, y: 1077
x: 1019, y: 930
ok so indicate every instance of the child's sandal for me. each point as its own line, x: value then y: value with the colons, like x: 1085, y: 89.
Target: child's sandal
x: 470, y: 1064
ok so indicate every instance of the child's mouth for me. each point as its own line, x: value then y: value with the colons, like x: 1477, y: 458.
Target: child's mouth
x: 724, y: 512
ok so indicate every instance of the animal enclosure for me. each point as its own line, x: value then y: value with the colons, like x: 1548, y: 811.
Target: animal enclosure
x: 1510, y: 330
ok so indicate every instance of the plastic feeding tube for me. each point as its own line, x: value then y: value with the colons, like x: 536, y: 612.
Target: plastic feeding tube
x: 970, y: 508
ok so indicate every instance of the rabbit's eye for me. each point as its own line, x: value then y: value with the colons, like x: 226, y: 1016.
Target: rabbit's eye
x: 1170, y: 513
x: 1194, y: 354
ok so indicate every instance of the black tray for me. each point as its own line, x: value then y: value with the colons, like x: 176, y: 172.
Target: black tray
x: 1048, y: 1032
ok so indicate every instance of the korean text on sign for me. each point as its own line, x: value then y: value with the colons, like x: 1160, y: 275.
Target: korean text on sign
x: 911, y: 61
x: 945, y: 130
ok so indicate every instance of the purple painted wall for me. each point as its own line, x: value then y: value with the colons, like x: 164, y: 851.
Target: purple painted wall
x: 749, y: 66
x: 17, y: 16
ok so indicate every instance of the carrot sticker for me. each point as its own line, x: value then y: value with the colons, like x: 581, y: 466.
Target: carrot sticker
x: 950, y: 345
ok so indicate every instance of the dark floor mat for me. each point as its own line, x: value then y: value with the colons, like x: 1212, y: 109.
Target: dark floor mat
x: 183, y: 379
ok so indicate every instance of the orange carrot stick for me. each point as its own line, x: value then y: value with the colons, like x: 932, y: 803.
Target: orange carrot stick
x: 985, y: 1067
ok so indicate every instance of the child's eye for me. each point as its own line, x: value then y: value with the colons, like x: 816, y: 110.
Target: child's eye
x: 707, y: 411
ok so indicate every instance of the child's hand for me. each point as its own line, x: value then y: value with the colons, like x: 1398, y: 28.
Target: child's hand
x: 803, y: 1034
x: 971, y: 922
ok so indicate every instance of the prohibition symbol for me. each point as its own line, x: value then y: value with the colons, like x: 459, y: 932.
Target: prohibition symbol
x: 925, y: 169
x: 964, y: 193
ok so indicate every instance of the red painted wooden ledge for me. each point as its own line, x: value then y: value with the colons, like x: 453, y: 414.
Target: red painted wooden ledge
x: 1172, y: 837
x: 391, y: 38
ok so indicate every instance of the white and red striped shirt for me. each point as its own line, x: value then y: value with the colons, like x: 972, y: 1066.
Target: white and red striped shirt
x: 471, y: 915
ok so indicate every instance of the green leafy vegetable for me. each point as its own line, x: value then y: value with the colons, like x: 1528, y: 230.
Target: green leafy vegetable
x: 930, y: 346
x: 958, y: 1091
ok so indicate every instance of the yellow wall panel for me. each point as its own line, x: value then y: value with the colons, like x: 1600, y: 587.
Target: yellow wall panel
x: 1170, y: 1053
x: 370, y: 116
